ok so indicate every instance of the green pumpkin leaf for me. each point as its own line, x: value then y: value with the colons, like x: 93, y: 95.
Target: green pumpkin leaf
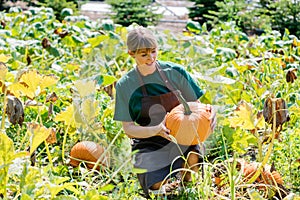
x: 226, y: 53
x: 97, y: 40
x: 194, y: 27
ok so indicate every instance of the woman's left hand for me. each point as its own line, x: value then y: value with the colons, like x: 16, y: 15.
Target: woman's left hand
x: 164, y: 131
x: 213, y: 119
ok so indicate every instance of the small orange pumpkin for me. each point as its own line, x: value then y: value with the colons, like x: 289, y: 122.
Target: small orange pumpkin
x: 270, y: 177
x: 88, y: 151
x: 267, y: 176
x: 189, y: 122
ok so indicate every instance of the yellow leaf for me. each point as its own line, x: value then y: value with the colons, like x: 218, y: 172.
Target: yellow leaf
x: 31, y: 84
x: 89, y: 109
x: 260, y: 121
x: 107, y: 112
x: 72, y: 67
x: 85, y: 88
x: 243, y: 117
x: 254, y: 195
x: 18, y: 90
x: 48, y: 81
x: 296, y: 43
x: 39, y: 134
x: 66, y: 116
x: 3, y: 71
x: 4, y: 58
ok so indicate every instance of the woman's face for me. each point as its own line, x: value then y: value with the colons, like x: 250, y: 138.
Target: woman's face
x: 145, y: 57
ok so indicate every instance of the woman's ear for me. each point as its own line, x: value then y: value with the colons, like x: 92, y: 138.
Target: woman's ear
x: 131, y: 53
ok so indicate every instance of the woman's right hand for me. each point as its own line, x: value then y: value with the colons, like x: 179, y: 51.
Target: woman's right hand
x: 134, y: 130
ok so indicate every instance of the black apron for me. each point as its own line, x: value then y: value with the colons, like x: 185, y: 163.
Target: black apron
x: 156, y: 154
x: 153, y: 111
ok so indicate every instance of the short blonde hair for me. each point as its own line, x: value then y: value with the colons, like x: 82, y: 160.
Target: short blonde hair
x: 140, y: 38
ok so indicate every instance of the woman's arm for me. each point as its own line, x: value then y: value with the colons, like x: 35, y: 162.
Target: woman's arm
x: 133, y: 130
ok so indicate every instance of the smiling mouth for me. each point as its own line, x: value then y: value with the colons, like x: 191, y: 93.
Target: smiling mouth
x: 151, y: 63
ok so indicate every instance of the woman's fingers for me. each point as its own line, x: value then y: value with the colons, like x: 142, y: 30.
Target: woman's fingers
x: 164, y: 131
x: 213, y: 119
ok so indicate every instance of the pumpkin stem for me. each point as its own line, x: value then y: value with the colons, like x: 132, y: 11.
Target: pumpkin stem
x: 187, y: 110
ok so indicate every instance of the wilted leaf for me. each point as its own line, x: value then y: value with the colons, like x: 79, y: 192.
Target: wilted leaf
x: 259, y: 121
x: 51, y: 139
x: 291, y: 75
x: 281, y: 110
x: 14, y: 110
x: 51, y: 97
x: 38, y: 133
x: 46, y: 43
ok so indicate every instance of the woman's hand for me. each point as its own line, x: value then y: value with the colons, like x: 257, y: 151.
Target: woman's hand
x: 164, y: 131
x: 213, y: 119
x: 133, y: 130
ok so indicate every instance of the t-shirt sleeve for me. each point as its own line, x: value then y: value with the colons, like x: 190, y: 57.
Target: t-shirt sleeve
x: 187, y: 84
x: 121, y: 112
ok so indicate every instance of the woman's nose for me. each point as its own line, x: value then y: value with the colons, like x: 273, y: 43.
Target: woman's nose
x: 150, y: 56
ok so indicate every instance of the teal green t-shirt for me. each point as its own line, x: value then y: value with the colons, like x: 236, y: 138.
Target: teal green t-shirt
x: 129, y: 92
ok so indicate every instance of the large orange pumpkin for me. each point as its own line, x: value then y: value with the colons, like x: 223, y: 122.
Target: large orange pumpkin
x: 189, y: 122
x: 88, y: 151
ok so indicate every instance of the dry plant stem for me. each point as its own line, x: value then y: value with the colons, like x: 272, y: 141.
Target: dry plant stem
x: 265, y: 160
x: 231, y: 180
x: 259, y: 146
x: 64, y: 143
x: 116, y: 172
x: 48, y: 153
x: 3, y: 111
x: 46, y: 144
x: 106, y: 151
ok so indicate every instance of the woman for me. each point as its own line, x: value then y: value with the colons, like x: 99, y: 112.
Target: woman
x: 143, y: 97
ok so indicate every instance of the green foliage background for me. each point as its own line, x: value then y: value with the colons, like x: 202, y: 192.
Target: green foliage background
x: 229, y: 65
x: 141, y: 12
x: 250, y: 16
